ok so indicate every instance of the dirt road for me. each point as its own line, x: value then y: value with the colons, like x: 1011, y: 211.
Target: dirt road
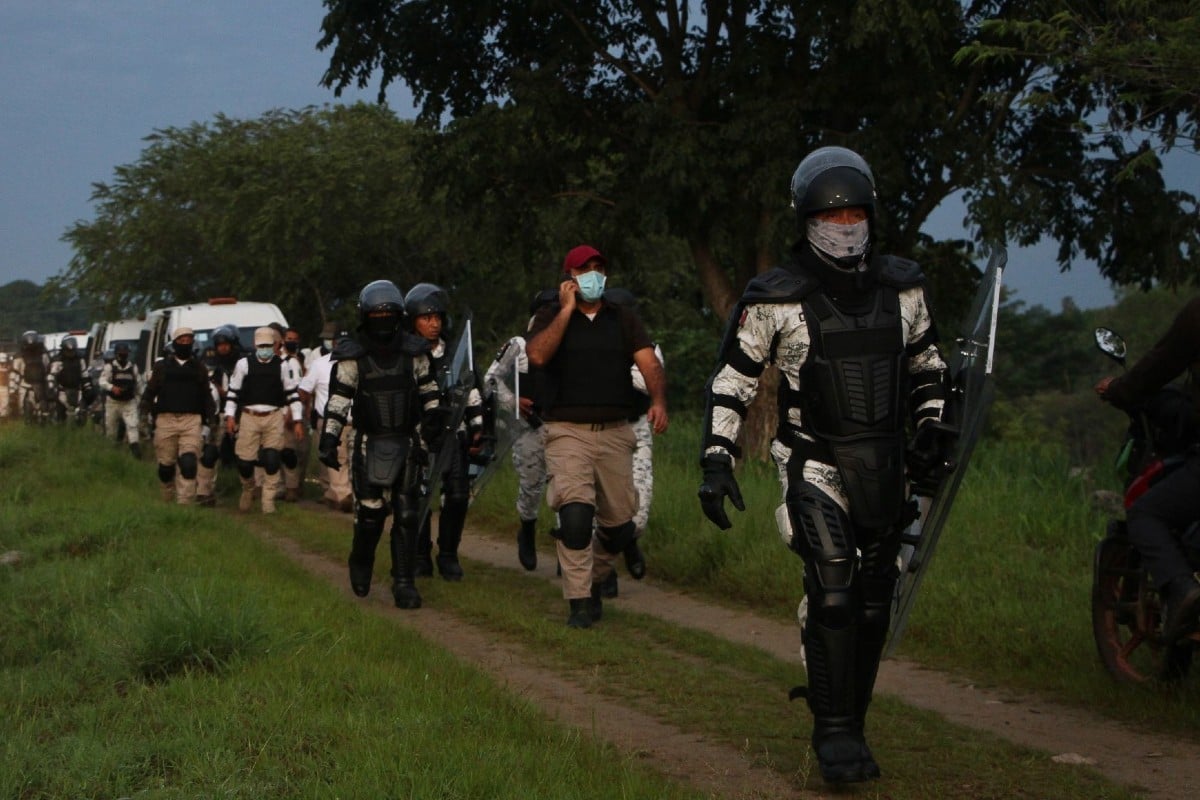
x: 1159, y: 766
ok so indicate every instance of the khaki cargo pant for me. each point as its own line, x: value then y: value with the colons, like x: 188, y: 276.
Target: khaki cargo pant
x: 257, y: 433
x: 175, y: 435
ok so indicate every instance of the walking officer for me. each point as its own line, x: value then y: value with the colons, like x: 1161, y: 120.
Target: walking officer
x: 851, y: 333
x: 119, y: 381
x: 262, y: 400
x: 386, y: 379
x: 177, y: 396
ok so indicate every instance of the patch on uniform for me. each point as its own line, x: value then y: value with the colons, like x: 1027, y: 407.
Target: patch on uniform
x: 742, y: 318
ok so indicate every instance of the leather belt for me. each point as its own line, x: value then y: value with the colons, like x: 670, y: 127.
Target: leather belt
x: 260, y: 413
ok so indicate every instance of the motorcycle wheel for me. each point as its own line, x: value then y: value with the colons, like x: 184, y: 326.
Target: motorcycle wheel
x: 1126, y: 616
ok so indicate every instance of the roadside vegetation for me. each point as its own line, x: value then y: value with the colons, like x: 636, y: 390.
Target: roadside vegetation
x: 156, y: 651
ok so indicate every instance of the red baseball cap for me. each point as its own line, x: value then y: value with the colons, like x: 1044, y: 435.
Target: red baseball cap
x: 578, y: 256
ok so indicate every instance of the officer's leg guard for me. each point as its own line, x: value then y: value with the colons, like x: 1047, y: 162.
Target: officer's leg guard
x: 612, y: 540
x: 369, y: 516
x: 404, y: 551
x: 824, y: 538
x: 424, y: 563
x: 574, y: 556
x: 526, y: 544
x: 450, y: 527
x: 877, y: 584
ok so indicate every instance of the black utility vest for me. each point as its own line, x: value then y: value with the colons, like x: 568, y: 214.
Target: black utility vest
x: 590, y: 370
x: 263, y: 384
x: 124, y: 378
x: 386, y: 398
x: 71, y: 374
x: 183, y: 387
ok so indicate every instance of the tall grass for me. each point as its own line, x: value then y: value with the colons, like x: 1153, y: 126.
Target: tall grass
x: 157, y: 651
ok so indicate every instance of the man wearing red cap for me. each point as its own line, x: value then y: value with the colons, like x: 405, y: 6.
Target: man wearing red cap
x: 586, y: 345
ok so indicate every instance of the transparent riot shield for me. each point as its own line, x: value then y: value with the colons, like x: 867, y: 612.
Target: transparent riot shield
x: 502, y: 421
x: 456, y: 379
x: 970, y: 395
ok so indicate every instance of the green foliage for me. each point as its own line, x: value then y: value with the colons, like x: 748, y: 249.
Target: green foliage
x: 26, y: 306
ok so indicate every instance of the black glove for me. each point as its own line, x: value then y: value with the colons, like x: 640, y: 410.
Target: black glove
x: 718, y: 484
x: 327, y: 451
x: 929, y: 457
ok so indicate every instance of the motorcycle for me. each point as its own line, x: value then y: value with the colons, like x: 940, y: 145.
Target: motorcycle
x: 1127, y: 612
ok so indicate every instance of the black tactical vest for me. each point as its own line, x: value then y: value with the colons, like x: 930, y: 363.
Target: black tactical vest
x: 34, y: 371
x: 183, y: 388
x: 263, y: 384
x: 852, y: 390
x: 386, y: 399
x: 71, y: 374
x: 124, y: 378
x: 590, y: 369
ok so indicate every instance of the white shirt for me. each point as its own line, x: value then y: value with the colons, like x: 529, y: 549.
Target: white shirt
x: 316, y: 382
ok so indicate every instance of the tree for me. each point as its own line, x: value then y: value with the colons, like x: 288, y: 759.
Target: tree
x: 300, y: 207
x: 1129, y: 70
x: 686, y: 121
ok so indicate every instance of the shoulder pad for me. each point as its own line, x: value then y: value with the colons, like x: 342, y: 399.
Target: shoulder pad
x: 413, y: 345
x: 620, y: 297
x: 780, y: 285
x: 542, y: 298
x: 900, y: 273
x: 347, y: 350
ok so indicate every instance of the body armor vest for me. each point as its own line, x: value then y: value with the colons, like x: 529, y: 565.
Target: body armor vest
x: 591, y: 369
x: 34, y: 371
x: 183, y: 387
x: 386, y: 399
x: 124, y: 378
x: 71, y: 374
x: 853, y: 386
x: 263, y: 384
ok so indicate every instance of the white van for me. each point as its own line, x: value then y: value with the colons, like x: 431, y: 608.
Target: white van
x: 203, y: 318
x: 106, y: 336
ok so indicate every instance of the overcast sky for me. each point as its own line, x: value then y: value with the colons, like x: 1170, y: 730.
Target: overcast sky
x: 83, y: 81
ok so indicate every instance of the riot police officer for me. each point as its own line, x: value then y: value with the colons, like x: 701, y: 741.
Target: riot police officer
x: 386, y: 380
x: 851, y: 333
x: 426, y: 307
x: 32, y: 368
x: 71, y: 380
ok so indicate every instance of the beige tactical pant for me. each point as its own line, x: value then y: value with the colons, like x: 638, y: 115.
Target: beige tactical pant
x: 175, y: 435
x: 255, y: 433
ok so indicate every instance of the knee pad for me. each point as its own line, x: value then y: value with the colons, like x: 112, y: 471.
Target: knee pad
x: 270, y: 459
x: 371, y: 515
x: 245, y: 468
x: 615, y: 539
x: 188, y: 464
x: 824, y: 538
x: 575, y: 525
x: 209, y: 456
x: 166, y: 473
x: 288, y: 456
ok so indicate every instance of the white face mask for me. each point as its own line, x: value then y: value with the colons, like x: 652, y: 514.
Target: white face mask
x: 839, y: 241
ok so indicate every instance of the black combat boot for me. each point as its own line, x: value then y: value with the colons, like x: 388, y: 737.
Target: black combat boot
x: 450, y: 528
x: 836, y: 739
x: 367, y: 530
x: 526, y: 549
x: 580, y: 616
x: 608, y: 586
x: 404, y: 556
x: 135, y: 450
x: 595, y: 605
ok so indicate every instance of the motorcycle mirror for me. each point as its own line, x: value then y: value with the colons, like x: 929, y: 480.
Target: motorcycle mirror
x: 1111, y: 344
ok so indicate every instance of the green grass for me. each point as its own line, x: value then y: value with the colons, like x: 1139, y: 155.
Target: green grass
x: 150, y: 650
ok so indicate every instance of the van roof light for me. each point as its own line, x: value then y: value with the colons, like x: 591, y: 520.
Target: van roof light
x: 222, y: 301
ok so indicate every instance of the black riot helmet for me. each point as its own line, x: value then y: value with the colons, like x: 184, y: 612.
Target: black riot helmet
x: 380, y: 310
x: 227, y: 333
x: 832, y: 177
x: 427, y: 298
x: 69, y: 348
x: 30, y: 340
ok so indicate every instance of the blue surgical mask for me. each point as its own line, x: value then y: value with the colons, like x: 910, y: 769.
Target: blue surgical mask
x: 264, y: 353
x: 591, y: 286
